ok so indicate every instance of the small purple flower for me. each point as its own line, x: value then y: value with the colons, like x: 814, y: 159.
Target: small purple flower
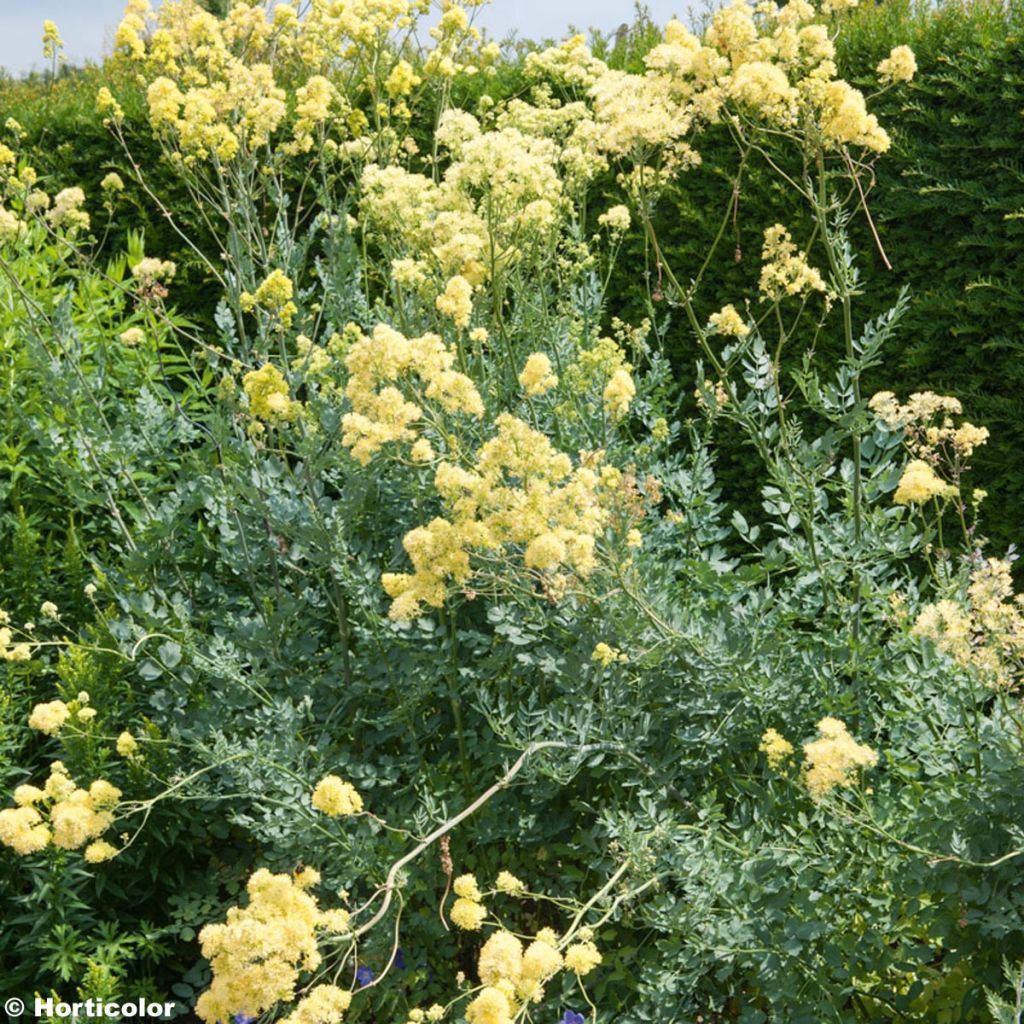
x: 364, y: 976
x: 572, y: 1017
x: 243, y: 1018
x: 399, y: 959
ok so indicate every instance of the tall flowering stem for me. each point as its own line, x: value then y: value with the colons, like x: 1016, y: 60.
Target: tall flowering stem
x: 842, y: 282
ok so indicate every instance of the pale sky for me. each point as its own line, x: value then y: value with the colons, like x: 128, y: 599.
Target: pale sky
x: 87, y: 26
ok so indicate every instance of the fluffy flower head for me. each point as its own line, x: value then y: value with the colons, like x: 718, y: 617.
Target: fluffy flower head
x: 336, y: 798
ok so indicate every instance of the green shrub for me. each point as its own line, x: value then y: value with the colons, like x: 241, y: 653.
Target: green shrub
x: 399, y: 490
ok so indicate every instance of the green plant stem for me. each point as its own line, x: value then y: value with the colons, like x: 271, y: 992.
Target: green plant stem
x: 845, y: 298
x: 453, y: 695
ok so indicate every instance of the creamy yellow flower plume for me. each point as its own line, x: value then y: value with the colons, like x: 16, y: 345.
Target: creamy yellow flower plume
x: 832, y: 760
x: 920, y: 483
x: 335, y: 797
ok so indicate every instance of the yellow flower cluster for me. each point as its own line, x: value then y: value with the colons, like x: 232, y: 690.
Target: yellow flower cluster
x: 315, y: 360
x: 711, y: 395
x: 402, y: 79
x: 11, y: 228
x: 211, y: 88
x: 16, y: 182
x: 9, y: 650
x: 519, y: 490
x: 512, y: 975
x: 106, y: 104
x: 605, y: 655
x: 468, y: 911
x: 268, y: 395
x: 507, y: 883
x: 772, y: 66
x: 572, y: 129
x: 325, y: 1004
x: 336, y: 798
x: 920, y: 483
x: 216, y: 86
x: 512, y: 177
x: 776, y: 748
x: 582, y: 957
x: 52, y: 42
x: 936, y: 441
x: 491, y: 1006
x: 948, y: 624
x: 313, y: 102
x: 153, y: 273
x: 129, y: 35
x: 927, y: 421
x: 536, y: 377
x: 67, y: 210
x: 61, y: 813
x: 451, y: 34
x: 844, y: 118
x: 273, y: 295
x: 764, y: 88
x: 49, y: 718
x: 500, y: 194
x: 417, y: 1016
x: 594, y: 369
x: 728, y: 321
x: 214, y: 121
x: 127, y: 745
x: 899, y: 66
x: 382, y: 414
x: 429, y: 226
x: 832, y: 760
x: 617, y: 219
x: 784, y: 270
x: 456, y: 301
x: 619, y: 393
x: 986, y: 634
x: 569, y: 64
x: 257, y: 954
x: 639, y: 113
x: 922, y: 407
